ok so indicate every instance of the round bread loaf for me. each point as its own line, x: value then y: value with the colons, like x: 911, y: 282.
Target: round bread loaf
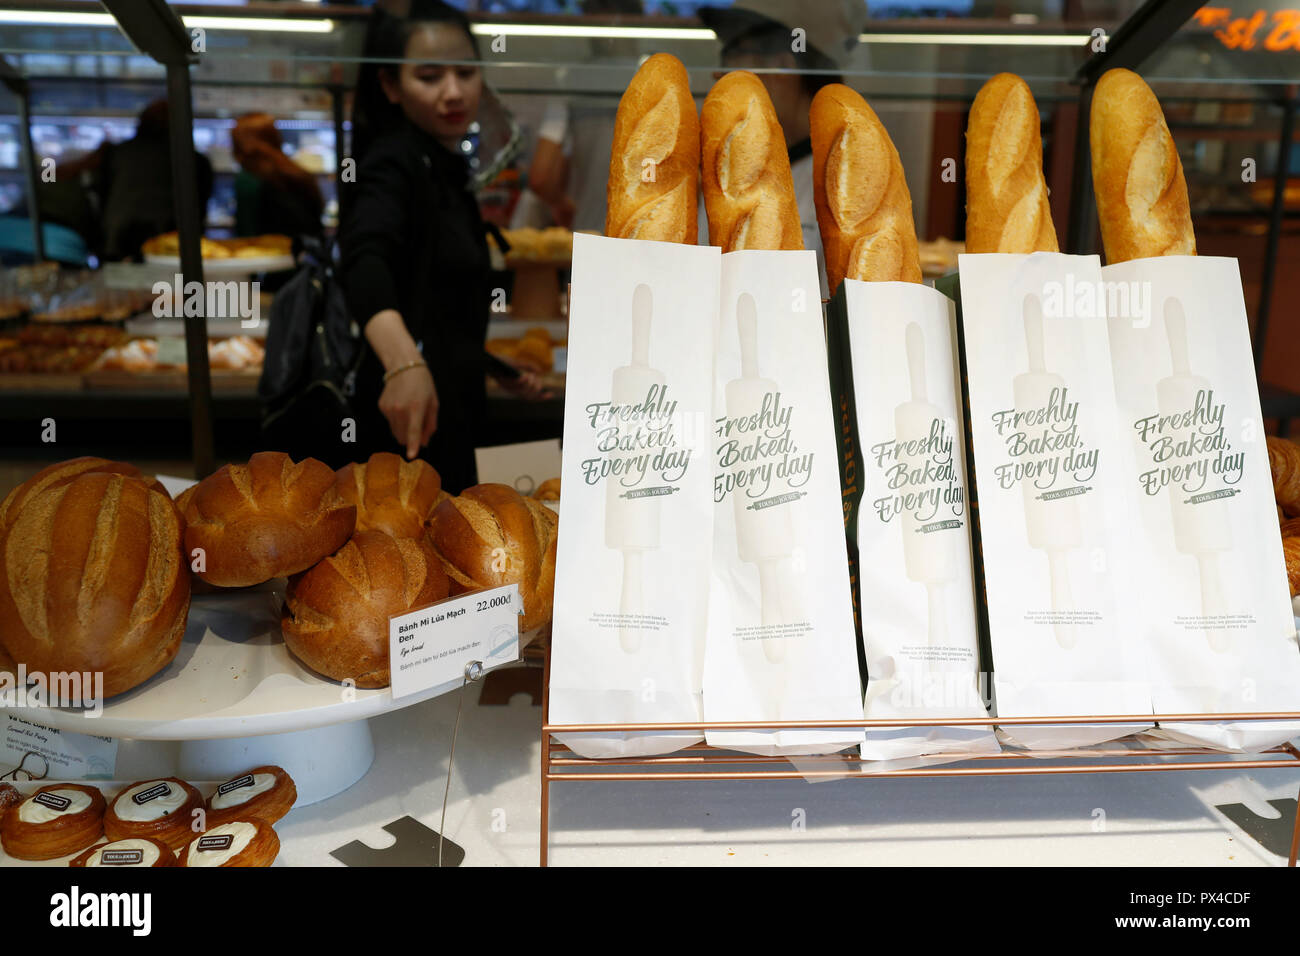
x: 335, y: 617
x: 92, y: 578
x: 63, y: 472
x: 548, y: 490
x: 491, y: 536
x: 267, y: 519
x: 391, y: 494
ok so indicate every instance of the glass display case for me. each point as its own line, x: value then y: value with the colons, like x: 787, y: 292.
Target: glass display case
x: 1226, y: 79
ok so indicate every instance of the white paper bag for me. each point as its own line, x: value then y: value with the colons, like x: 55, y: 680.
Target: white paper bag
x: 781, y: 638
x: 911, y: 510
x: 1054, y: 504
x: 636, y: 526
x: 1212, y: 597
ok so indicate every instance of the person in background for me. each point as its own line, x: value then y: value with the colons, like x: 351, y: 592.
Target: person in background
x: 135, y: 181
x: 273, y: 194
x: 570, y: 163
x: 758, y: 34
x: 414, y: 258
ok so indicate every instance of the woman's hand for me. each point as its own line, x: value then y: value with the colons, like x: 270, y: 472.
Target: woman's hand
x: 410, y: 403
x: 527, y: 384
x: 409, y: 400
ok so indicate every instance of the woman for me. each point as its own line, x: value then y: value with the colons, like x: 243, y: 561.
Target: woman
x: 414, y: 256
x: 273, y: 194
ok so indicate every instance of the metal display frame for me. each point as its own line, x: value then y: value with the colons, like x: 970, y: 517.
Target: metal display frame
x: 702, y: 763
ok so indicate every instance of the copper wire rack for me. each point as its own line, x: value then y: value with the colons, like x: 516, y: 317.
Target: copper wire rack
x: 702, y: 763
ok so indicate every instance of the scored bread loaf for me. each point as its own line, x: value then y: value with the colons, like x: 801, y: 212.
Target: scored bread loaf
x: 864, y: 210
x: 1007, y: 207
x: 548, y: 490
x: 1136, y: 173
x: 335, y: 617
x: 391, y: 494
x: 1284, y: 463
x: 491, y: 536
x: 63, y: 472
x: 93, y: 578
x: 267, y: 519
x: 654, y: 164
x: 745, y: 168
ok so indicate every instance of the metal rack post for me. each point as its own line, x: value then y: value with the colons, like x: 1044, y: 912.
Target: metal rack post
x: 158, y: 32
x: 702, y: 763
x: 1276, y: 211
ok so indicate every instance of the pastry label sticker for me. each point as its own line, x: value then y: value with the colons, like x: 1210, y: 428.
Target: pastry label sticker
x: 210, y: 844
x: 153, y: 793
x: 434, y: 646
x: 121, y: 857
x: 53, y: 801
x: 239, y: 783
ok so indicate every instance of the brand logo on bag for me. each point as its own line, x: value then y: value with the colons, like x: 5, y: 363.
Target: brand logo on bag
x: 649, y: 492
x: 210, y: 844
x: 121, y: 857
x: 237, y: 784
x: 153, y: 793
x: 53, y: 801
x: 939, y: 526
x: 776, y: 500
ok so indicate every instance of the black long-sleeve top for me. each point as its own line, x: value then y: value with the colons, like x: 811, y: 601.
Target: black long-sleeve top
x: 412, y: 239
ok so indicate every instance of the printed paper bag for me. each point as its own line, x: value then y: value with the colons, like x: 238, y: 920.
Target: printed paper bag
x: 1211, y: 594
x: 1054, y: 501
x: 781, y: 643
x: 636, y: 526
x: 907, y: 512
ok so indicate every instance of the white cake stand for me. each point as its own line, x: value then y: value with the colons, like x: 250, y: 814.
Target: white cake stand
x: 236, y: 698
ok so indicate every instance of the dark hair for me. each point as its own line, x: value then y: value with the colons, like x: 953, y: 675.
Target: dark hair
x: 386, y: 39
x: 773, y: 39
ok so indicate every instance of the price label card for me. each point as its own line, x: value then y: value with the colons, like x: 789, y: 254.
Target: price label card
x: 39, y: 752
x: 430, y: 647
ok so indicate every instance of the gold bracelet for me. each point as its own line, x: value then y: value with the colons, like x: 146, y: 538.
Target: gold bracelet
x: 418, y: 363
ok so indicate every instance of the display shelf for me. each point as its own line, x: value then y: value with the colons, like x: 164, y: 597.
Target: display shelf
x: 237, y: 697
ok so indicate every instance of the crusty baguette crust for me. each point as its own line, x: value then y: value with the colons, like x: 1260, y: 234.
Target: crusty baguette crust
x: 745, y: 169
x: 1136, y: 173
x: 654, y: 164
x: 1007, y: 207
x: 864, y: 209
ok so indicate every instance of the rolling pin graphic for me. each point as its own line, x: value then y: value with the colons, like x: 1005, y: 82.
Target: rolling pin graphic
x: 1053, y: 525
x: 764, y: 534
x: 632, y: 523
x: 1201, y: 529
x: 930, y: 557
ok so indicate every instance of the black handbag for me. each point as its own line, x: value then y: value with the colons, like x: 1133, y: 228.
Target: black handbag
x: 313, y: 352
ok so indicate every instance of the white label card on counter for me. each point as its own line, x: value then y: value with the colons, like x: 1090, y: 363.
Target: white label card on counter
x: 430, y: 647
x: 171, y: 350
x: 57, y: 754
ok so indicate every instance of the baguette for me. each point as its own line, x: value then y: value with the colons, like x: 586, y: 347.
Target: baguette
x: 748, y: 189
x: 1136, y: 173
x: 654, y: 165
x: 864, y: 210
x: 1007, y: 208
